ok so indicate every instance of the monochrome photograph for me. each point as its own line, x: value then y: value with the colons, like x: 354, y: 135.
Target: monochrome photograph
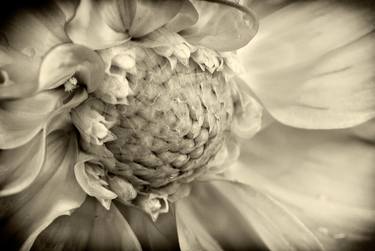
x: 187, y: 125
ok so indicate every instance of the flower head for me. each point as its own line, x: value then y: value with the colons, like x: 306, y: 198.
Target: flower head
x: 128, y: 122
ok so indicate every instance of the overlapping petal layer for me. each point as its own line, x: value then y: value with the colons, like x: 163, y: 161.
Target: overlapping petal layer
x: 91, y: 227
x: 150, y: 15
x: 35, y: 29
x: 20, y: 166
x: 221, y: 27
x: 326, y: 177
x: 186, y: 17
x: 22, y: 119
x: 153, y: 236
x: 97, y: 25
x: 18, y: 73
x: 67, y: 60
x: 104, y: 24
x: 55, y: 192
x: 313, y: 69
x: 223, y: 215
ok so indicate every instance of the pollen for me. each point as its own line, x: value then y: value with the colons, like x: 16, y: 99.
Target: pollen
x: 71, y: 84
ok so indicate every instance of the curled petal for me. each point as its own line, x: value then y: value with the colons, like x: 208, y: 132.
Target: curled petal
x: 101, y: 152
x: 67, y: 7
x: 97, y: 25
x: 90, y: 227
x: 248, y: 116
x: 221, y: 26
x: 186, y: 17
x: 20, y: 166
x: 119, y: 59
x: 124, y: 190
x: 55, y: 192
x: 114, y: 90
x: 22, y: 119
x: 329, y: 86
x: 153, y: 14
x: 227, y: 155
x: 66, y: 60
x: 60, y: 118
x: 36, y: 30
x: 168, y: 44
x: 91, y: 119
x: 18, y: 73
x: 91, y: 177
x: 207, y: 59
x: 153, y: 204
x: 104, y: 24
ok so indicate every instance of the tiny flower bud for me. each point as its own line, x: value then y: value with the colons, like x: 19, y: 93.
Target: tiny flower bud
x: 91, y: 177
x: 124, y: 190
x: 90, y: 122
x: 170, y: 45
x: 153, y: 204
x: 207, y: 59
x: 114, y: 90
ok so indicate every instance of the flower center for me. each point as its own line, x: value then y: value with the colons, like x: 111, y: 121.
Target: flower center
x: 155, y: 123
x: 174, y: 122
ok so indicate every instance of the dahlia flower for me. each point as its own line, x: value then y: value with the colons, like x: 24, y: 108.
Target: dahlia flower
x: 172, y: 125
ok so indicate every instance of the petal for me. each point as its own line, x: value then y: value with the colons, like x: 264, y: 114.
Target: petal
x: 22, y: 119
x: 67, y: 60
x: 55, y: 192
x: 326, y: 177
x: 248, y: 118
x: 227, y: 155
x: 221, y: 27
x: 91, y: 227
x: 36, y: 30
x: 97, y: 25
x: 324, y: 79
x: 60, y: 118
x: 186, y: 17
x: 153, y: 14
x: 277, y: 227
x: 67, y: 7
x: 214, y: 205
x: 191, y: 234
x: 18, y: 73
x: 153, y: 236
x: 89, y: 176
x: 264, y: 8
x: 20, y: 166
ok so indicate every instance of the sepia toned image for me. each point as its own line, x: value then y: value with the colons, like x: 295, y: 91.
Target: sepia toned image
x: 187, y: 125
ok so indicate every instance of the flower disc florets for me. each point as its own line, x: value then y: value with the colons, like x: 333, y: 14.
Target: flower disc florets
x: 173, y: 118
x: 174, y: 122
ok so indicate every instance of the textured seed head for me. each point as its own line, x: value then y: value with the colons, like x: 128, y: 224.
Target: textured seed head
x: 174, y: 123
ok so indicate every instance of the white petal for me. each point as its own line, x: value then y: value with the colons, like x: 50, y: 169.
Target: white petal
x: 311, y: 62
